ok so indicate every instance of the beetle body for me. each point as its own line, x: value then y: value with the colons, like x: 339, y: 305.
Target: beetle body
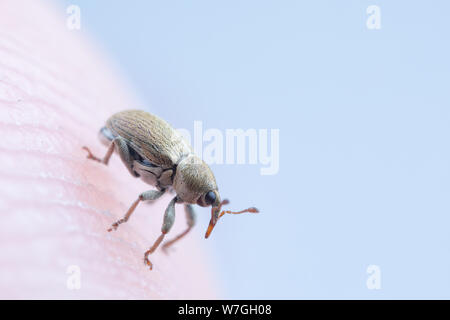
x: 160, y: 156
x: 156, y: 153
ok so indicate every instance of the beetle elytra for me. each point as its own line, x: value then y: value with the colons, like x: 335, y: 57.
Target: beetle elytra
x: 155, y: 152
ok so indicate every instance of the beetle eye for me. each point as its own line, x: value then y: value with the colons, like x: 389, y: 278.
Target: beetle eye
x: 210, y: 197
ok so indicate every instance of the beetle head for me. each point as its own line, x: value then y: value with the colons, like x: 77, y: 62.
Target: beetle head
x: 194, y: 182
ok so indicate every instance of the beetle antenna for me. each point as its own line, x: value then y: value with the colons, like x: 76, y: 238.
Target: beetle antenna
x: 251, y: 210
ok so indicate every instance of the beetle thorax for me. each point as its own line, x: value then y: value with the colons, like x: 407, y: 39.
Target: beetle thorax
x: 193, y: 179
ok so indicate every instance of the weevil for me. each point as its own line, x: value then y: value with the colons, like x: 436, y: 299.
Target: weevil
x: 156, y: 153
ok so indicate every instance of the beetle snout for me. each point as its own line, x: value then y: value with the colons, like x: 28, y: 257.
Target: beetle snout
x: 211, y: 226
x: 215, y: 214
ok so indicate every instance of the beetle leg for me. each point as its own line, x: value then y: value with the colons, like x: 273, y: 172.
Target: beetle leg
x: 105, y: 159
x: 145, y: 196
x: 190, y: 217
x: 122, y: 149
x: 169, y: 219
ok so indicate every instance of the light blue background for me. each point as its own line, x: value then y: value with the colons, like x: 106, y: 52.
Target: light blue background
x: 364, y: 133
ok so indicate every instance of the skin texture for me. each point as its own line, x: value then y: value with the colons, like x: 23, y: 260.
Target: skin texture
x: 56, y: 92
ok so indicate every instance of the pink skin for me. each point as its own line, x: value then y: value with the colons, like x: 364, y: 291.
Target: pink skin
x: 56, y: 91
